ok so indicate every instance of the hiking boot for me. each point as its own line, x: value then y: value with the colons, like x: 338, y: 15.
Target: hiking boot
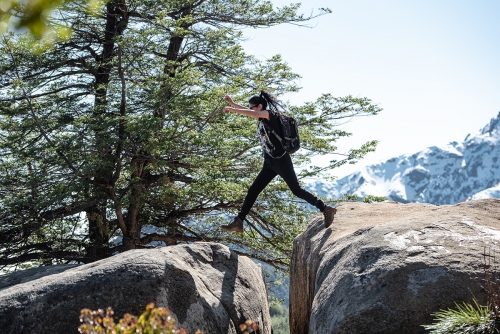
x: 328, y: 215
x: 235, y: 226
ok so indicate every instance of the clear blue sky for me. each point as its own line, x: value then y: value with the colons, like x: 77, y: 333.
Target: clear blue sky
x: 432, y: 65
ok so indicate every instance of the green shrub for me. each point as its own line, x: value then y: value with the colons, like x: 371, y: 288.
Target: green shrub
x: 155, y: 320
x: 280, y: 325
x: 152, y: 321
x: 373, y: 198
x: 279, y: 319
x: 467, y: 318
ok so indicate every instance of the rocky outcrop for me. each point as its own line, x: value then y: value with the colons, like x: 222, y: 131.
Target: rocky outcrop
x: 206, y: 286
x: 386, y: 267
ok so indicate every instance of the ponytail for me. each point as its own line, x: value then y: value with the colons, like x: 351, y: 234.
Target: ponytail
x: 266, y: 99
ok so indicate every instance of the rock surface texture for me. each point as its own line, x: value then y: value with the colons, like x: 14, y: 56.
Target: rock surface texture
x: 385, y: 267
x: 206, y: 286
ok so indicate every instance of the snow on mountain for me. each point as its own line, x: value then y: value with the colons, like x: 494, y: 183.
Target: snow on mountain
x: 446, y: 174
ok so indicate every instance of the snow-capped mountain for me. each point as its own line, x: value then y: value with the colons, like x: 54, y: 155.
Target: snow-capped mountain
x: 447, y: 174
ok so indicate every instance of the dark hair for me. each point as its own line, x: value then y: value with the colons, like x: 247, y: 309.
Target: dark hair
x: 265, y: 98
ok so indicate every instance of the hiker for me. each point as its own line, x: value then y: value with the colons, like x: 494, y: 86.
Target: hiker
x: 277, y: 161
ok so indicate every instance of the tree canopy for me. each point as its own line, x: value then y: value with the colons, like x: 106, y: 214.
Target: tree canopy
x: 113, y: 139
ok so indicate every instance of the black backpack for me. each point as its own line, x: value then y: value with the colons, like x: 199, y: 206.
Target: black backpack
x: 290, y: 140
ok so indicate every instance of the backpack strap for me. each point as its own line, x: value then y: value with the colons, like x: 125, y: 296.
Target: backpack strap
x: 277, y: 136
x: 272, y: 130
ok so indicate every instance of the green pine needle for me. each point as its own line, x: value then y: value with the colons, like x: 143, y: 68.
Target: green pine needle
x: 466, y: 318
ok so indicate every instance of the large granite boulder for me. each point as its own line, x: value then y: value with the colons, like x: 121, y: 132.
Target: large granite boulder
x: 206, y: 286
x: 386, y: 267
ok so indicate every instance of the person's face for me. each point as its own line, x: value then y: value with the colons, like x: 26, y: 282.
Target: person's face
x: 256, y: 107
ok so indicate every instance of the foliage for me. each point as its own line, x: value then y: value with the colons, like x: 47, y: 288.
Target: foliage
x: 467, y: 318
x: 114, y: 140
x: 473, y: 318
x: 249, y: 327
x: 373, y: 198
x: 152, y: 321
x: 366, y: 199
x: 492, y: 285
x: 277, y: 285
x: 279, y: 319
x: 34, y: 15
x: 155, y: 320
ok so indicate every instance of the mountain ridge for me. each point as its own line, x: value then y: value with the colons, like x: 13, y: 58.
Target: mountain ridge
x: 440, y: 174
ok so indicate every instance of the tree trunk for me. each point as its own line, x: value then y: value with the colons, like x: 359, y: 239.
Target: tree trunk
x: 116, y: 23
x: 99, y: 233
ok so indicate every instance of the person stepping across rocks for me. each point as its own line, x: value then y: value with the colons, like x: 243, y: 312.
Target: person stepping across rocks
x: 277, y: 161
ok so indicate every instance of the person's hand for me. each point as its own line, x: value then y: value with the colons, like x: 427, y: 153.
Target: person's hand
x: 228, y: 99
x: 227, y: 109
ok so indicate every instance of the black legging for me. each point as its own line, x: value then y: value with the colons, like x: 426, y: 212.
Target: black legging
x: 284, y: 168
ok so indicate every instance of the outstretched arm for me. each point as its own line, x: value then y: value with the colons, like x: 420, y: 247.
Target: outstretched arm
x: 229, y: 100
x: 248, y: 112
x: 244, y: 110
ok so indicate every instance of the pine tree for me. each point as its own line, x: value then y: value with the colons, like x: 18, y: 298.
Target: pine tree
x: 113, y: 139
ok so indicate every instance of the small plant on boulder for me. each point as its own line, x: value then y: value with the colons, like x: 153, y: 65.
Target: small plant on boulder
x: 473, y: 318
x: 155, y: 320
x: 467, y: 318
x: 249, y: 327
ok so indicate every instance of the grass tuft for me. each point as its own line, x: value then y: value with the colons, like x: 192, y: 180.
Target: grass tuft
x: 466, y: 318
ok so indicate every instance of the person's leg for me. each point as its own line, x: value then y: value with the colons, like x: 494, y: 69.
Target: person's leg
x: 265, y: 176
x: 284, y: 167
